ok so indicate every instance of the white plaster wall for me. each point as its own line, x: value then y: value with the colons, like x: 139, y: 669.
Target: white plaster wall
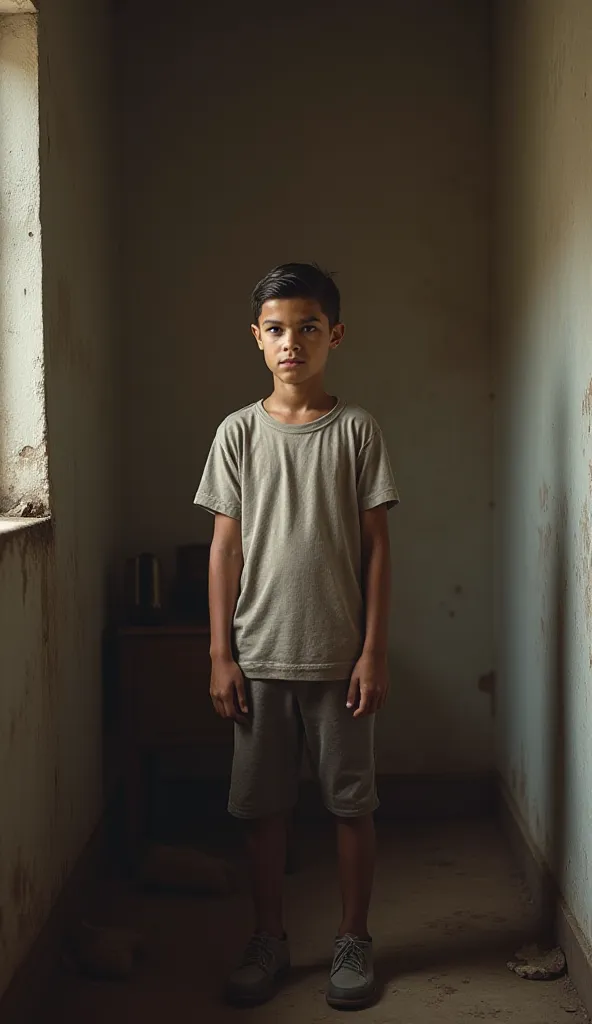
x: 17, y: 7
x: 23, y: 456
x: 53, y: 577
x: 544, y: 430
x: 358, y: 136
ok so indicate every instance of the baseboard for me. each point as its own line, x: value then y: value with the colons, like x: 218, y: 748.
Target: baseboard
x: 557, y: 923
x: 21, y: 1003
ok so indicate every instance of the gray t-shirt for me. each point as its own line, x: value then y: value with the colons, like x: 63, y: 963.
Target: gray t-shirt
x: 298, y: 491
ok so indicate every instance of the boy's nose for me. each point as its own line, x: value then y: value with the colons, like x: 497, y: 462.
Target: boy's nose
x: 291, y: 343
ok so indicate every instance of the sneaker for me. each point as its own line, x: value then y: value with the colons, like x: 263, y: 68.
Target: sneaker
x: 266, y: 960
x: 351, y: 984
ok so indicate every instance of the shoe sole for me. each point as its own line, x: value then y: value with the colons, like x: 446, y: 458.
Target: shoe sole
x: 338, y: 1003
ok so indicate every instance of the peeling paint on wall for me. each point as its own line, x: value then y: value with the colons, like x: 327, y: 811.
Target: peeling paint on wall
x: 587, y: 405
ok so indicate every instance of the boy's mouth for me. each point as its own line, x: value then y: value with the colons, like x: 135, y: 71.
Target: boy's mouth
x: 292, y: 362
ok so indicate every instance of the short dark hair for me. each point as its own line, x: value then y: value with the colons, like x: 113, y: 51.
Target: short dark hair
x: 298, y: 281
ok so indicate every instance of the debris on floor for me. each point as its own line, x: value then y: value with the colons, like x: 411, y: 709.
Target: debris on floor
x: 185, y: 869
x: 107, y: 954
x: 570, y: 1002
x: 535, y: 964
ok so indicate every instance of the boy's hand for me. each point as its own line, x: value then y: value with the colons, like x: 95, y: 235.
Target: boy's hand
x: 369, y: 683
x: 227, y: 690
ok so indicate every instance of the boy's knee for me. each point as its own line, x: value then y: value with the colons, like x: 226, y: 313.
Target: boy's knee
x: 355, y: 820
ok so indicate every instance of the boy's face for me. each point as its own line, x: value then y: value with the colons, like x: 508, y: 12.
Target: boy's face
x: 295, y: 338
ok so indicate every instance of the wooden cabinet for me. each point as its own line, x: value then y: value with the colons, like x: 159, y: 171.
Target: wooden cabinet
x: 164, y: 674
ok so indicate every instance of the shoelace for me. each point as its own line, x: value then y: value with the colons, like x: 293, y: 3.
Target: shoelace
x: 259, y: 954
x: 349, y: 955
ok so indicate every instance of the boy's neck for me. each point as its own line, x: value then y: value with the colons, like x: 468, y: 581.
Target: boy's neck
x: 299, y: 403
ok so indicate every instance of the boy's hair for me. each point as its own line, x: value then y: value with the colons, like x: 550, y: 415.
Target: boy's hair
x: 298, y: 281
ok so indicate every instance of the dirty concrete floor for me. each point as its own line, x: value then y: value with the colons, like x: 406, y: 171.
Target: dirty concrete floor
x: 449, y: 911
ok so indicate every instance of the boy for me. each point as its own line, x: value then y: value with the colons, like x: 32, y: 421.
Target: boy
x: 299, y: 594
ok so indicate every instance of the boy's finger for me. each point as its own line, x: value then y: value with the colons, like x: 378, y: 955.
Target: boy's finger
x: 230, y: 708
x: 363, y: 708
x: 352, y: 694
x: 241, y: 696
x: 235, y: 712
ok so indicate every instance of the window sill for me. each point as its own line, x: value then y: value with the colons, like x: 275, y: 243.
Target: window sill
x: 30, y: 530
x: 11, y: 524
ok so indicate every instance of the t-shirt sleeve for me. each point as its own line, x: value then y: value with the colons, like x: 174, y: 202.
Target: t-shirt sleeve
x: 220, y: 486
x: 376, y: 484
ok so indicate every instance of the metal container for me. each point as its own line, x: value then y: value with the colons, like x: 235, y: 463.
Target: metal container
x: 143, y: 590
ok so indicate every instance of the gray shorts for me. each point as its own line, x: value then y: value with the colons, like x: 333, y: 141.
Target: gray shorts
x: 283, y: 717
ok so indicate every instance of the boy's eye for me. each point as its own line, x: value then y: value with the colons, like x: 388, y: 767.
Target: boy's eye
x: 273, y: 330
x: 309, y: 328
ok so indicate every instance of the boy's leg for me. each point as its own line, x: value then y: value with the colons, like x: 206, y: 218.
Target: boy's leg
x: 342, y: 749
x: 356, y: 844
x: 266, y: 844
x: 263, y: 790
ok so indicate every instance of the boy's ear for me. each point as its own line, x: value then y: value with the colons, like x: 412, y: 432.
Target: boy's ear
x: 257, y: 335
x: 337, y: 335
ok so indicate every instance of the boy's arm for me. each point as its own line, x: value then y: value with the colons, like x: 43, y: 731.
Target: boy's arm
x: 227, y: 686
x: 370, y: 676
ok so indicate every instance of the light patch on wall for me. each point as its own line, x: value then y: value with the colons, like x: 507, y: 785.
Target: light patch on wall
x: 17, y: 7
x: 23, y: 456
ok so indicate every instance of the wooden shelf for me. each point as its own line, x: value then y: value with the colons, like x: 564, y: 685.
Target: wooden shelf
x: 164, y: 675
x: 165, y: 629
